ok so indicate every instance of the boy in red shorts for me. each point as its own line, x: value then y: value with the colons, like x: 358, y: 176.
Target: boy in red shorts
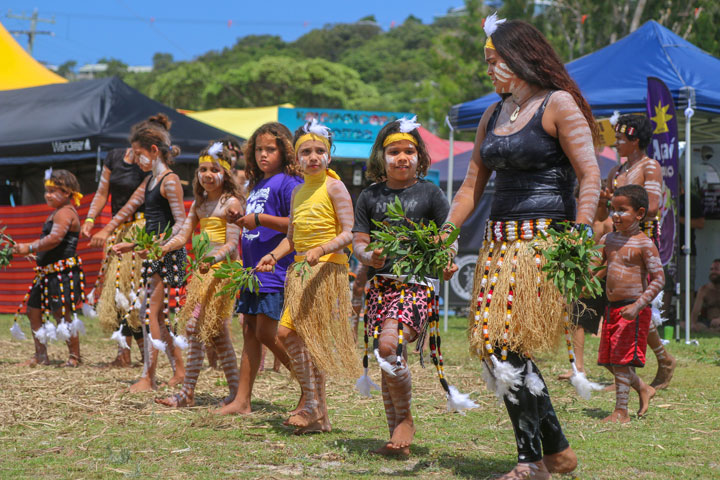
x: 630, y: 257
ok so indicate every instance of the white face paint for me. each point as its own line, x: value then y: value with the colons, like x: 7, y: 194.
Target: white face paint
x: 144, y: 161
x: 617, y: 213
x: 391, y: 160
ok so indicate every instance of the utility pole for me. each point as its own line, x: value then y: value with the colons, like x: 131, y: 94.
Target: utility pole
x: 34, y: 19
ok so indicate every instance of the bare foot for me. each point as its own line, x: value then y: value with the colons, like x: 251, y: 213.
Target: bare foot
x: 321, y: 425
x: 177, y: 379
x: 646, y: 394
x: 121, y: 361
x: 524, y: 471
x: 609, y: 388
x: 566, y: 375
x: 228, y: 400
x: 304, y: 419
x: 403, y: 435
x: 664, y: 373
x: 33, y: 362
x: 300, y: 406
x: 178, y: 400
x: 388, y: 451
x: 142, y: 385
x: 561, y: 462
x: 72, y: 362
x: 234, y: 408
x: 617, y: 416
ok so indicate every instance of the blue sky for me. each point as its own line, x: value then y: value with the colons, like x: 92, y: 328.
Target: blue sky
x: 133, y: 30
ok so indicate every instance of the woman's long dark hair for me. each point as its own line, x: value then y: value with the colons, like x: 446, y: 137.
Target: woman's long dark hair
x: 528, y: 53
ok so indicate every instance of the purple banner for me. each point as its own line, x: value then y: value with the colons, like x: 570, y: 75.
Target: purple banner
x: 664, y: 148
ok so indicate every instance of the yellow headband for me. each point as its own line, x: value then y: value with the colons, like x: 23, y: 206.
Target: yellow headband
x: 210, y: 159
x: 76, y: 196
x: 311, y: 136
x: 489, y: 43
x: 396, y: 137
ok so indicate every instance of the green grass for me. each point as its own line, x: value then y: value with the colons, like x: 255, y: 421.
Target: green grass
x: 78, y: 423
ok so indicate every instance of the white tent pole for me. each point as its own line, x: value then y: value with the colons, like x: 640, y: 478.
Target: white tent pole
x: 688, y: 241
x: 449, y: 187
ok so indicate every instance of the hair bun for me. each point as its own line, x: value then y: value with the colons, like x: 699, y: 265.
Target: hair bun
x: 161, y: 120
x: 174, y: 150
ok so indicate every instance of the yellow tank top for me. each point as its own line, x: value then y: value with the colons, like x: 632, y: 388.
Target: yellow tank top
x: 314, y: 219
x: 215, y: 228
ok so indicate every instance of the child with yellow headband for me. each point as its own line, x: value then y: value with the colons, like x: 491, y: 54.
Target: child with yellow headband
x: 206, y: 316
x: 59, y: 281
x: 314, y: 326
x: 398, y: 309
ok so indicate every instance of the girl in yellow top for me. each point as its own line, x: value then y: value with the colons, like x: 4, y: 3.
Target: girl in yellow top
x: 314, y: 326
x: 206, y: 316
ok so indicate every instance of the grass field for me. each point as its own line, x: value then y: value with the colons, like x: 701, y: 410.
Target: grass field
x: 79, y: 423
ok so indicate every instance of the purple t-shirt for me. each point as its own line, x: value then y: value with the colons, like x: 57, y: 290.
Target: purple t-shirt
x: 272, y: 197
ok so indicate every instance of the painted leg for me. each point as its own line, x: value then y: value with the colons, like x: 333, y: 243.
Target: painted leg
x: 622, y: 394
x: 249, y: 364
x: 147, y: 380
x: 666, y: 362
x: 41, y: 356
x: 196, y: 354
x: 303, y: 367
x: 645, y: 392
x: 228, y: 361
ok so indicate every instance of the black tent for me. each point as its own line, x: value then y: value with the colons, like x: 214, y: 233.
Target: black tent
x: 73, y: 125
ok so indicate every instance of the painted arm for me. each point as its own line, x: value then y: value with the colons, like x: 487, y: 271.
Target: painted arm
x: 651, y: 258
x: 136, y: 199
x: 653, y: 187
x: 476, y: 178
x: 344, y: 211
x: 183, y: 236
x: 62, y: 221
x: 232, y: 234
x: 172, y: 190
x: 576, y: 141
x: 600, y: 274
x: 99, y: 201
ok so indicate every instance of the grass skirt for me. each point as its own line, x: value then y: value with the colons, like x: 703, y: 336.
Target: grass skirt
x: 202, y: 290
x: 319, y: 307
x: 535, y: 307
x: 108, y: 311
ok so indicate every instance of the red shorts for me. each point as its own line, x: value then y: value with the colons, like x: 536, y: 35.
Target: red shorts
x: 413, y: 312
x: 623, y: 342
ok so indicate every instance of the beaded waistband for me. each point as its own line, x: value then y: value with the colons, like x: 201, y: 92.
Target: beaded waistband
x: 651, y: 228
x: 60, y: 265
x: 511, y: 230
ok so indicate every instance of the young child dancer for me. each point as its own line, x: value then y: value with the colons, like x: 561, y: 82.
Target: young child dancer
x: 205, y: 315
x: 59, y: 280
x: 631, y: 256
x: 163, y: 198
x: 121, y: 176
x: 633, y: 134
x: 314, y: 326
x: 272, y: 173
x: 397, y: 308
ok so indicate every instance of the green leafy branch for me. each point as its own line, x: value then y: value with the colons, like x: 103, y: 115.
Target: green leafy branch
x: 572, y: 258
x: 6, y: 248
x: 302, y: 268
x: 241, y: 278
x: 201, y: 246
x: 147, y: 241
x: 417, y: 250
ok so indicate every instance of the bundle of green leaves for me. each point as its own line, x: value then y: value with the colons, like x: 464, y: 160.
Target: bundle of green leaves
x: 200, y: 249
x: 417, y: 250
x: 146, y: 241
x: 572, y: 259
x: 302, y: 268
x: 241, y: 278
x: 6, y: 248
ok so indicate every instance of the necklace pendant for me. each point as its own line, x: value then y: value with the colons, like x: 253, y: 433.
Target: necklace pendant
x: 515, y: 114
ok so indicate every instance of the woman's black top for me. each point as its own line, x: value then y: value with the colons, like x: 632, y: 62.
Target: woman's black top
x: 65, y: 249
x: 158, y: 215
x: 124, y: 179
x: 533, y: 176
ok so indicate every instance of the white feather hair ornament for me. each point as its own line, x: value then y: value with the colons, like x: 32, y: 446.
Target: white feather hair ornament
x: 491, y: 23
x: 615, y: 117
x: 365, y: 385
x: 77, y: 327
x: 48, y: 173
x: 62, y: 332
x: 407, y: 125
x: 384, y: 364
x: 180, y: 341
x: 533, y: 382
x: 459, y: 402
x: 215, y: 150
x: 507, y: 379
x: 313, y: 126
x: 17, y: 332
x: 583, y: 386
x: 157, y: 344
x: 89, y: 311
x: 50, y: 331
x: 120, y: 338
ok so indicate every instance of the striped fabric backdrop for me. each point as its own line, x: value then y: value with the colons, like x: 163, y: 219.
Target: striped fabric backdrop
x: 24, y: 224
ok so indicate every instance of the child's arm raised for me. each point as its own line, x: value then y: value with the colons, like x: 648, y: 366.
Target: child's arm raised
x: 62, y: 222
x: 137, y: 199
x: 651, y: 259
x: 172, y: 190
x: 183, y: 236
x: 344, y: 211
x: 99, y: 201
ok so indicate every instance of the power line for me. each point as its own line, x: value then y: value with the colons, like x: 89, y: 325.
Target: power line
x: 34, y: 19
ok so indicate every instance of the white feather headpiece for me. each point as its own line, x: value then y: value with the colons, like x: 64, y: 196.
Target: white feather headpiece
x: 215, y: 150
x: 615, y: 117
x: 313, y: 126
x: 407, y: 125
x: 491, y: 23
x: 48, y: 174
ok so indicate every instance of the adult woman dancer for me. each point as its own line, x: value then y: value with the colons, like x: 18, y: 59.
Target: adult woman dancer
x: 537, y: 139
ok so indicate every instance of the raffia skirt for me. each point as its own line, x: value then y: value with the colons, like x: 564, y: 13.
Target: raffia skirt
x: 513, y: 304
x: 215, y: 309
x: 317, y: 308
x: 122, y: 274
